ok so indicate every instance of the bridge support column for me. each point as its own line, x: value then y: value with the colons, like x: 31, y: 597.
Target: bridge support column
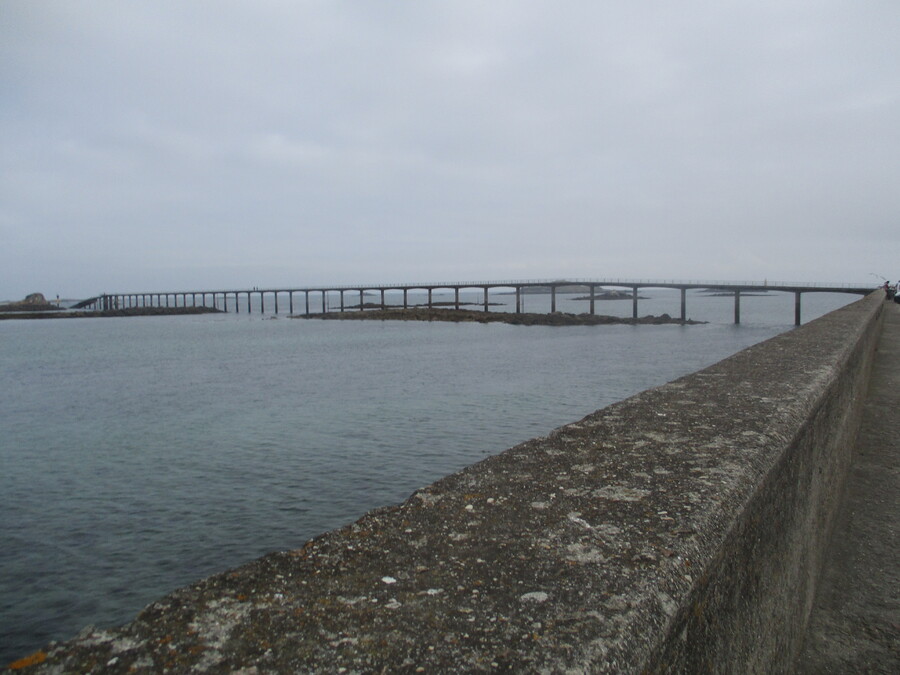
x: 290, y: 302
x: 684, y: 304
x: 518, y: 299
x: 456, y: 296
x: 485, y: 298
x: 634, y: 299
x: 737, y: 306
x: 552, y: 299
x: 429, y: 298
x: 262, y: 303
x: 405, y: 291
x: 593, y: 288
x: 796, y: 308
x: 324, y: 303
x: 383, y: 306
x: 342, y: 300
x: 361, y: 306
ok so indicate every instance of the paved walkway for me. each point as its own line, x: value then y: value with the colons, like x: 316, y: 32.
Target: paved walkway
x: 855, y: 623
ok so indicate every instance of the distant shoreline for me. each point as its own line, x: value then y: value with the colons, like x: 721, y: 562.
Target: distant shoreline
x: 470, y: 316
x: 130, y: 311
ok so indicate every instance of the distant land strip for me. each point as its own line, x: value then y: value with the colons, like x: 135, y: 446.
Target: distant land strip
x: 471, y: 316
x: 130, y: 311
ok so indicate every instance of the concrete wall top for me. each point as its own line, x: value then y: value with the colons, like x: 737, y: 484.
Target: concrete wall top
x: 578, y: 552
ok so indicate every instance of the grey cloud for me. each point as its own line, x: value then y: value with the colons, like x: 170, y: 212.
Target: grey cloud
x: 219, y: 143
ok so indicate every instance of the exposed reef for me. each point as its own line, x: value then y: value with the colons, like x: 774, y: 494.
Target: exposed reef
x: 470, y: 316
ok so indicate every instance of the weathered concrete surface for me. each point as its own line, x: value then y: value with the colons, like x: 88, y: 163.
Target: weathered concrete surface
x: 680, y: 530
x: 855, y: 623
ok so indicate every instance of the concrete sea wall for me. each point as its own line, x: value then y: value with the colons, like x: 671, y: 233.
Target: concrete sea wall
x: 680, y: 530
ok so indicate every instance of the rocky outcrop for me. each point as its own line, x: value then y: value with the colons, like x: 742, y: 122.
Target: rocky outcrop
x: 33, y: 302
x: 465, y: 315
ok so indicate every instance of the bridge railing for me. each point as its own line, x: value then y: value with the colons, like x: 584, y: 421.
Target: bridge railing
x: 811, y: 285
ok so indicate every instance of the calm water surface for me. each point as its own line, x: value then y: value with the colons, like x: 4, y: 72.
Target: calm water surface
x: 138, y: 455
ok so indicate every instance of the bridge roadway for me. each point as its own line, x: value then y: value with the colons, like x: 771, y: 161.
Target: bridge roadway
x: 231, y: 300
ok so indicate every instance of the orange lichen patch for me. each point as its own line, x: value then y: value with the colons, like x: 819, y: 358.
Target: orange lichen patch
x: 32, y: 660
x: 242, y: 597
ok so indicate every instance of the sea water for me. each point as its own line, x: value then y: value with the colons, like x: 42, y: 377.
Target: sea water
x: 138, y: 455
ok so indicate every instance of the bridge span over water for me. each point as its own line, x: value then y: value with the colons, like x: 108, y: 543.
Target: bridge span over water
x: 237, y: 300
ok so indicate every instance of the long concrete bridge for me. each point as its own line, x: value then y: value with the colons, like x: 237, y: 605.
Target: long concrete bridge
x: 237, y: 300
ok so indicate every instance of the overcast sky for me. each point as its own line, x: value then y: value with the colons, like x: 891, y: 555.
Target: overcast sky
x: 208, y: 144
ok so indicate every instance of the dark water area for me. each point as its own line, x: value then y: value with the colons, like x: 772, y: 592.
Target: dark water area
x: 138, y: 455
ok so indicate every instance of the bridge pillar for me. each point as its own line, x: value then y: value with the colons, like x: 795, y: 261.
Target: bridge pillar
x: 429, y: 298
x: 360, y: 299
x: 456, y: 296
x: 737, y: 305
x: 796, y: 308
x: 634, y: 299
x: 405, y: 290
x: 593, y: 288
x: 518, y: 299
x: 382, y: 299
x: 324, y: 303
x: 262, y: 303
x: 552, y: 298
x: 306, y: 293
x: 485, y: 298
x: 290, y: 302
x: 342, y: 299
x: 683, y: 304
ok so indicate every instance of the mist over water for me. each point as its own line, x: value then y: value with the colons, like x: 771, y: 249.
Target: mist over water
x: 139, y: 455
